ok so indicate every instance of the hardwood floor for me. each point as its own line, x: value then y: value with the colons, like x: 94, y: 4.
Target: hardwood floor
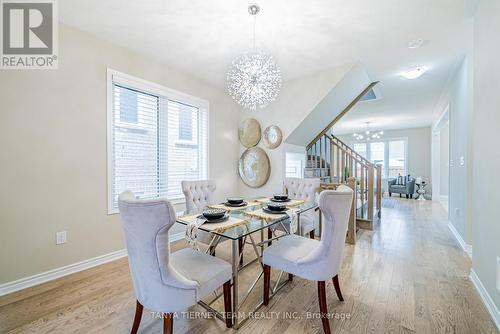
x: 408, y: 275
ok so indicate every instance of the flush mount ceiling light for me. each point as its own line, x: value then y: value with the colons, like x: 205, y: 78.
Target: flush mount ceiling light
x: 368, y: 134
x: 416, y: 43
x: 254, y: 79
x: 414, y: 72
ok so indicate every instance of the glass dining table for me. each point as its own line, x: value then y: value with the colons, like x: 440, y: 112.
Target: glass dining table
x: 244, y: 234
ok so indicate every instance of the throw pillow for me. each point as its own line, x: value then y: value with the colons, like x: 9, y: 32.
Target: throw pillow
x: 399, y: 180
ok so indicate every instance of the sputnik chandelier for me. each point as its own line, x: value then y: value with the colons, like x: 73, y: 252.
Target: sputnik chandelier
x: 254, y: 79
x: 368, y: 134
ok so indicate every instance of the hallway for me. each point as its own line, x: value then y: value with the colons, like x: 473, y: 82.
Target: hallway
x: 408, y: 275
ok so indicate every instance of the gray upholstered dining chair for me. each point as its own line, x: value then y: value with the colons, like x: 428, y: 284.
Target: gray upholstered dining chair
x: 305, y: 189
x: 163, y: 281
x: 312, y: 259
x: 198, y: 195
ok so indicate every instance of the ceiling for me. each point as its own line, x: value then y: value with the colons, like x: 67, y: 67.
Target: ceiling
x: 201, y: 37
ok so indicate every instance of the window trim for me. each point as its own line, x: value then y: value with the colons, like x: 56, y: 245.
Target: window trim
x: 385, y: 171
x: 113, y: 76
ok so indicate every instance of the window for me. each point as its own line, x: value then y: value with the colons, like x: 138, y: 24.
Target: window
x: 360, y: 148
x: 390, y: 153
x: 127, y: 104
x: 186, y: 121
x: 377, y: 154
x: 294, y: 163
x: 157, y: 137
x: 397, y: 161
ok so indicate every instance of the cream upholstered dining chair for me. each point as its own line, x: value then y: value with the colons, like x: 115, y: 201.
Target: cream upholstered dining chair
x: 166, y: 282
x: 305, y: 189
x: 198, y: 195
x: 312, y: 259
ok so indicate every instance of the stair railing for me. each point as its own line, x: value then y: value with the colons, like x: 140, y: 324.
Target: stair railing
x: 336, y: 163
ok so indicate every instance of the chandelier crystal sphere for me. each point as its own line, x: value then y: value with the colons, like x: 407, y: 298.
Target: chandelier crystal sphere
x: 254, y: 80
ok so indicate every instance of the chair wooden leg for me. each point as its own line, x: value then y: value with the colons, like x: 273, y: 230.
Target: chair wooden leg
x: 137, y: 318
x: 211, y: 250
x: 323, y: 308
x: 311, y: 234
x: 336, y: 284
x: 267, y: 283
x: 240, y: 248
x: 168, y: 323
x: 269, y: 236
x: 290, y: 277
x: 227, y: 304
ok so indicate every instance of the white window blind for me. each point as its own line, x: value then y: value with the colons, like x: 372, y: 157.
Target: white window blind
x: 156, y: 139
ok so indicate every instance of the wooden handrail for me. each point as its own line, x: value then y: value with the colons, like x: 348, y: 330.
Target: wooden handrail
x: 352, y: 151
x: 342, y: 113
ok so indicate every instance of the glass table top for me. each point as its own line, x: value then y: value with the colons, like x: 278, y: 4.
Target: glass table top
x: 254, y: 224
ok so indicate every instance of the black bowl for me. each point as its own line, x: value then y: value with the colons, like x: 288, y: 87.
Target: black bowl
x: 235, y: 200
x: 273, y: 206
x: 280, y: 197
x: 214, y: 213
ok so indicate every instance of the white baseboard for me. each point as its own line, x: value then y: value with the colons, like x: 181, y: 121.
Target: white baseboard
x: 53, y: 274
x: 486, y: 298
x: 50, y: 275
x: 465, y: 246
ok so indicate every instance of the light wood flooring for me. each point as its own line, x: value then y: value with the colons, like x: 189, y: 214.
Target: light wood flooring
x: 408, y: 275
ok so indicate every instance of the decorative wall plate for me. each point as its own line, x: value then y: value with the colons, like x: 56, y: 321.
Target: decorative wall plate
x: 249, y: 132
x: 272, y: 136
x: 254, y: 167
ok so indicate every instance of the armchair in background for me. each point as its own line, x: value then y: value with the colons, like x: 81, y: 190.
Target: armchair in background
x: 405, y: 186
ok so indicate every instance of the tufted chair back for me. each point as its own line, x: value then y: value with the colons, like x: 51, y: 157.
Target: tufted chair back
x: 305, y: 189
x: 198, y: 194
x: 157, y: 285
x: 324, y: 262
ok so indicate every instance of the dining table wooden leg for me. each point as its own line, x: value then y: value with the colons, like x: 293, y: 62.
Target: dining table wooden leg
x: 269, y: 236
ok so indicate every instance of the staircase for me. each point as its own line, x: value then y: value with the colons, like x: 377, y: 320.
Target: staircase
x: 335, y: 163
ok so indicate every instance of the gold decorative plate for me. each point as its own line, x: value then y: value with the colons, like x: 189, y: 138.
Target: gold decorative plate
x: 249, y: 132
x: 254, y: 167
x: 272, y: 136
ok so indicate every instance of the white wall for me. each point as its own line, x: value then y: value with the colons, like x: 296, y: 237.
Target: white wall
x: 459, y: 124
x: 440, y: 151
x: 296, y: 99
x: 444, y: 147
x: 418, y: 151
x: 456, y: 101
x: 485, y: 140
x: 53, y: 148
